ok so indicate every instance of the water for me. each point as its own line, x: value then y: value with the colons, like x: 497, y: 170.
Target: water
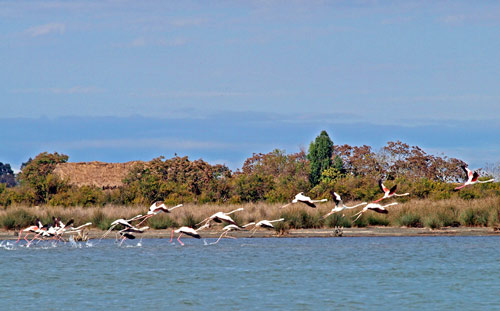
x: 381, y: 273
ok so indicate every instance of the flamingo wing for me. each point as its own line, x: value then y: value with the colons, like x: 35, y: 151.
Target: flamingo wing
x: 382, y: 187
x: 336, y: 198
x: 309, y: 203
x: 393, y: 190
x: 128, y: 235
x: 379, y: 210
x: 475, y: 176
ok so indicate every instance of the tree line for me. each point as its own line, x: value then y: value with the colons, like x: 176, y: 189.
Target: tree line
x: 351, y: 171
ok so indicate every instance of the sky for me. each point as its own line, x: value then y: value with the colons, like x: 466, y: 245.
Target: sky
x: 117, y: 81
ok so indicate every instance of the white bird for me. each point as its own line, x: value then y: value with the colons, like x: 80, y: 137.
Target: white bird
x: 127, y: 233
x: 123, y: 222
x: 300, y: 197
x: 472, y: 178
x: 374, y: 207
x: 156, y: 208
x: 267, y: 224
x: 31, y: 229
x: 230, y: 228
x: 221, y: 216
x: 188, y: 231
x: 388, y: 192
x: 339, y: 205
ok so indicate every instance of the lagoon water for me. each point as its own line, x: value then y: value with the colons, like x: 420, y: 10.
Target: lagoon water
x: 371, y: 273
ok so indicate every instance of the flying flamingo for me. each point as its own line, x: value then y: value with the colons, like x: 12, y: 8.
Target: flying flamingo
x: 300, y: 197
x: 188, y: 231
x: 221, y: 216
x: 388, y: 193
x: 339, y: 205
x: 31, y: 229
x: 123, y: 222
x: 268, y: 224
x: 156, y: 208
x: 230, y: 228
x: 472, y: 178
x: 374, y: 207
x: 127, y: 233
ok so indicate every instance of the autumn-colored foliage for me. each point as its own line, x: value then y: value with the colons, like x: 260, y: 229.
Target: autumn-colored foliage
x: 274, y: 177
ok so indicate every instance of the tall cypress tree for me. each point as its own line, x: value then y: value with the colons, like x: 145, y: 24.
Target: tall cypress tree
x: 320, y: 156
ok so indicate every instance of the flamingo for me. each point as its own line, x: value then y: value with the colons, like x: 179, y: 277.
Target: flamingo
x: 300, y: 197
x: 472, y: 178
x: 121, y: 221
x: 221, y: 216
x: 31, y: 229
x: 388, y: 192
x: 374, y: 207
x: 188, y: 231
x: 230, y: 228
x: 156, y: 208
x: 339, y: 205
x: 268, y: 224
x: 127, y: 233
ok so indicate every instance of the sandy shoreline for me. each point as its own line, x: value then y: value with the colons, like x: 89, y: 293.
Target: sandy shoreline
x: 309, y: 233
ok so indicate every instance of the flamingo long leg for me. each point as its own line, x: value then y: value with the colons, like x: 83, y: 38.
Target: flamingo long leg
x: 379, y: 199
x: 359, y: 215
x: 20, y: 233
x: 179, y: 239
x: 253, y: 231
x: 223, y: 233
x: 145, y: 218
x: 172, y: 236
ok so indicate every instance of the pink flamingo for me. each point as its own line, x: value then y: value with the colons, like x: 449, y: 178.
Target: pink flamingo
x: 472, y: 178
x: 388, y: 193
x: 374, y: 207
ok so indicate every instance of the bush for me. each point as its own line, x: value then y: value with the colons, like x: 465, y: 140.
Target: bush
x: 432, y: 222
x: 189, y: 220
x: 301, y: 219
x: 18, y: 218
x: 474, y: 217
x: 409, y: 220
x: 337, y: 220
x: 100, y: 220
x: 376, y: 220
x: 162, y: 221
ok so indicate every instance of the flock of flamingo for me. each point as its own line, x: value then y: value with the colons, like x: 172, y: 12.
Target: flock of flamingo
x: 57, y: 229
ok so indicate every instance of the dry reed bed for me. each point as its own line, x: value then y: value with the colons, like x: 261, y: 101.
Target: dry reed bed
x: 414, y: 213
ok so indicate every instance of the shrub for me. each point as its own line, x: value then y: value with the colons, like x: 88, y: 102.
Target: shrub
x: 337, y: 220
x: 376, y: 220
x: 474, y: 217
x: 189, y: 220
x: 18, y: 218
x: 162, y: 221
x: 432, y: 222
x: 409, y: 220
x: 100, y: 220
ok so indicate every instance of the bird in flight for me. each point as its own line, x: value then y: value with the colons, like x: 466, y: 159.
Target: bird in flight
x: 301, y: 198
x: 388, y: 193
x: 339, y: 205
x: 472, y: 178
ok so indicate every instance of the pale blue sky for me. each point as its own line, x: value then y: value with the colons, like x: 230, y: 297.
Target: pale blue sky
x: 246, y: 76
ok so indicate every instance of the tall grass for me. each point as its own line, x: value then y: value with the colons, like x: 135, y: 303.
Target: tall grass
x: 414, y: 213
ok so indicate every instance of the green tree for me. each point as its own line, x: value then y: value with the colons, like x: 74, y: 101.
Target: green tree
x: 7, y: 175
x: 37, y: 176
x: 320, y: 156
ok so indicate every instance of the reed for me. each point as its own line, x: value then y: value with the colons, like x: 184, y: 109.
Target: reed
x: 413, y: 213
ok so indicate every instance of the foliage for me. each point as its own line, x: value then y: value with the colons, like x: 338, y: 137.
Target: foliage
x: 7, y: 176
x: 320, y: 156
x: 37, y: 176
